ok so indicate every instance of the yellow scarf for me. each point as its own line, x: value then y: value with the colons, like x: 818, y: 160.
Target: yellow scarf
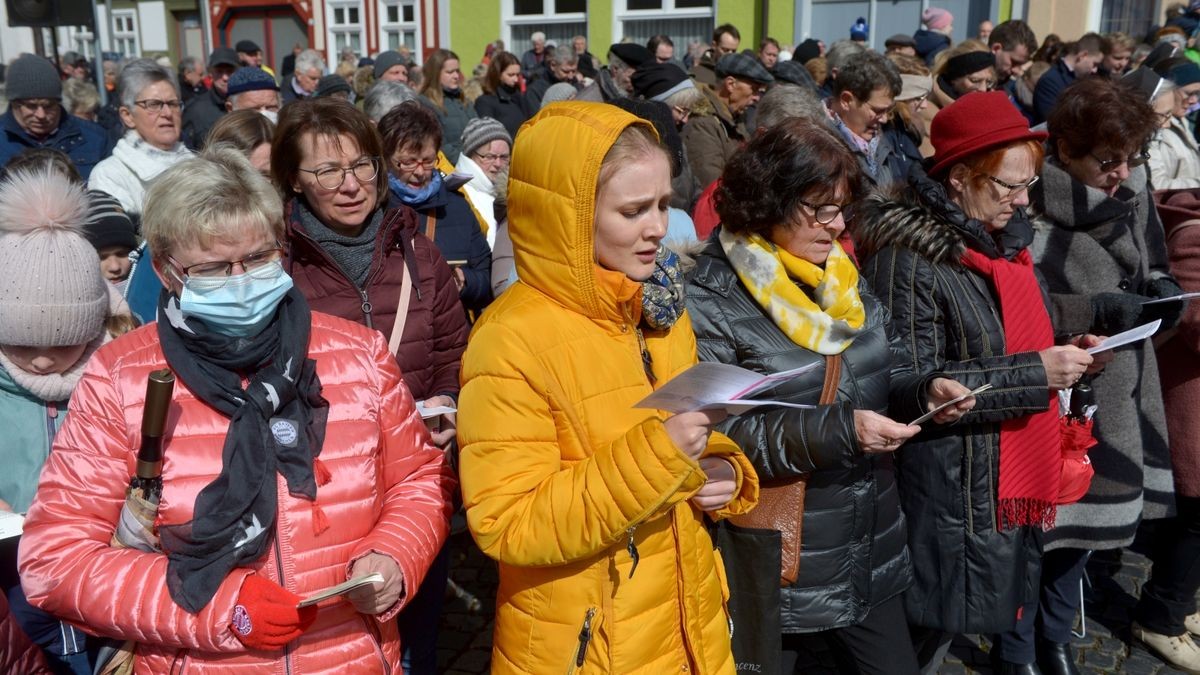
x: 826, y: 322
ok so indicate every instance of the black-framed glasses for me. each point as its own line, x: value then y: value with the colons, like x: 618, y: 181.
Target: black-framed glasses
x: 331, y: 177
x: 492, y: 158
x: 1132, y: 162
x: 826, y: 213
x: 1014, y: 189
x: 155, y: 106
x: 258, y: 265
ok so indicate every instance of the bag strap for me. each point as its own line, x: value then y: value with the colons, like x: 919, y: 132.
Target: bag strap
x: 431, y: 226
x: 833, y: 375
x: 406, y: 288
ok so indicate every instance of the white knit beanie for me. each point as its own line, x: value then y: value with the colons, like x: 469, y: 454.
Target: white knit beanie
x: 51, y: 291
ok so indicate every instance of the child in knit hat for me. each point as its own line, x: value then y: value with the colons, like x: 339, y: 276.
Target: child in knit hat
x: 111, y: 233
x: 55, y: 311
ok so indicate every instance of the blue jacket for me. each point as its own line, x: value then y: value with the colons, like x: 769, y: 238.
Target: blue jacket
x: 84, y: 142
x: 459, y: 237
x: 143, y: 288
x: 1051, y: 84
x: 29, y: 427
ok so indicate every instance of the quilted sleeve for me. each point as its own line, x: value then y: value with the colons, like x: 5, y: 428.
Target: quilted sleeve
x: 419, y: 485
x: 525, y: 505
x: 67, y: 566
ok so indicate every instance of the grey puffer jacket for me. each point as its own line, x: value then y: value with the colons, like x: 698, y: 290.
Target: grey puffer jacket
x: 968, y: 577
x: 853, y: 555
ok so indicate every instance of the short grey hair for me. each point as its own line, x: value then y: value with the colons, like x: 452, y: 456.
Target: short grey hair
x: 139, y: 74
x: 308, y: 60
x: 186, y: 65
x: 385, y: 95
x: 563, y: 57
x: 209, y: 197
x: 840, y: 52
x: 782, y: 103
x: 538, y: 36
x: 687, y: 98
x: 617, y: 63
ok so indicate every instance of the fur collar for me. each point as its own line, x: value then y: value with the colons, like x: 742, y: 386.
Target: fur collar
x: 921, y: 218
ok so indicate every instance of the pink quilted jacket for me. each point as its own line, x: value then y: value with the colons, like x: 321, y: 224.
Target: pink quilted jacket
x: 390, y: 493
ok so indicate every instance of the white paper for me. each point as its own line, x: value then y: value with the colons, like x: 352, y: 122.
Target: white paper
x: 434, y: 411
x: 929, y: 415
x: 341, y: 589
x: 1132, y: 335
x: 738, y: 406
x: 11, y: 524
x: 1173, y: 298
x: 718, y: 385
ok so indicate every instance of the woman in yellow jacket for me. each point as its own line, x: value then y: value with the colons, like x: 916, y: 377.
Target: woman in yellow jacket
x: 595, y: 509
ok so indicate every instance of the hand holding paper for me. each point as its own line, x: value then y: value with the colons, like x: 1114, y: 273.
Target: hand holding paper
x: 719, y: 385
x: 1132, y: 335
x: 962, y: 397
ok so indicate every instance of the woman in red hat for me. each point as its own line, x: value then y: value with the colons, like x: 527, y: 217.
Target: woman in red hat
x: 949, y: 259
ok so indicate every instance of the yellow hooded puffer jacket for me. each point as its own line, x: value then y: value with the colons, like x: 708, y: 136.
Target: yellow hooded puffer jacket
x: 563, y: 479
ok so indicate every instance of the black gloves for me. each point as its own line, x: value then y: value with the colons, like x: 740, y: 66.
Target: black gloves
x: 1169, y: 312
x: 1113, y: 313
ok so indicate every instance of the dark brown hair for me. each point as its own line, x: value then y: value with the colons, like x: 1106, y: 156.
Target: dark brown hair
x: 328, y: 117
x: 1097, y: 112
x: 409, y: 124
x: 500, y: 62
x: 794, y: 160
x: 37, y: 159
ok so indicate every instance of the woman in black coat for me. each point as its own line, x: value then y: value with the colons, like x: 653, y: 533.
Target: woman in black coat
x: 949, y: 259
x: 411, y: 136
x: 773, y: 291
x: 502, y: 99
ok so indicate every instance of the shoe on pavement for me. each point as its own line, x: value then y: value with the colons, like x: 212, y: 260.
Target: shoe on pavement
x: 1056, y: 658
x: 1179, y: 651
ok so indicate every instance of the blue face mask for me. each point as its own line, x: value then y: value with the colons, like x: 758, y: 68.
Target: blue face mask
x: 410, y: 196
x: 239, y: 305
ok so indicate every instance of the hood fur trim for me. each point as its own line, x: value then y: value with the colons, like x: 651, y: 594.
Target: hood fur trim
x: 899, y: 219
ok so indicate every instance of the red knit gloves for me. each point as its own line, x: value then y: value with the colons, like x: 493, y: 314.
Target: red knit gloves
x: 266, y: 617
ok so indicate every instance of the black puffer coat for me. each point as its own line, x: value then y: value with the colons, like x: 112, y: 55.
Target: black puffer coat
x: 969, y: 578
x: 853, y: 555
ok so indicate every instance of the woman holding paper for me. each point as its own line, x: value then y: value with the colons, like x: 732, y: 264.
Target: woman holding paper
x: 294, y: 460
x: 950, y: 258
x: 772, y: 291
x: 595, y: 509
x: 1100, y: 246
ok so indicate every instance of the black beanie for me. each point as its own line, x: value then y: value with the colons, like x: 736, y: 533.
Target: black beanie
x: 107, y: 223
x: 652, y: 80
x: 965, y: 64
x: 807, y: 51
x: 658, y: 114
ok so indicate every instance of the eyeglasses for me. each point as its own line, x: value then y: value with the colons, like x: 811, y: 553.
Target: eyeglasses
x: 155, y: 106
x: 683, y: 112
x: 826, y: 213
x: 257, y: 265
x: 884, y: 112
x: 332, y: 177
x: 1014, y: 189
x: 1132, y: 162
x: 31, y: 105
x: 412, y: 164
x: 490, y: 159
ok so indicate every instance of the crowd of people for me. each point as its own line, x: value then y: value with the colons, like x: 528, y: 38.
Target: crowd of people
x: 395, y: 296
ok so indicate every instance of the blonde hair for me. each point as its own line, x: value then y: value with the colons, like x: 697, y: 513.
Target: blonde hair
x: 637, y: 141
x: 213, y: 196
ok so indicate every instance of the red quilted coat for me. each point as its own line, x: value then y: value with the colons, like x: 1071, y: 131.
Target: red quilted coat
x: 389, y: 494
x: 17, y: 653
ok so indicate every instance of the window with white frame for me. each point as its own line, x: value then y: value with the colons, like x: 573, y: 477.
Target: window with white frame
x: 560, y: 20
x: 684, y: 21
x: 398, y: 24
x: 124, y: 32
x: 345, y: 26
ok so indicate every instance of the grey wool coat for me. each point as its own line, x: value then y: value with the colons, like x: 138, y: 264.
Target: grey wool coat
x: 1086, y: 242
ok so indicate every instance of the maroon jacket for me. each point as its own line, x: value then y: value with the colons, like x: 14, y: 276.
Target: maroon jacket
x: 435, y: 333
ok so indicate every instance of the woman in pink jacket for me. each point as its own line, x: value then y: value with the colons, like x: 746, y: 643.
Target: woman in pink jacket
x: 293, y: 460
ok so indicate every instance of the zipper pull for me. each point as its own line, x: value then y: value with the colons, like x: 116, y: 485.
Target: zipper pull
x: 631, y: 548
x: 647, y: 361
x: 585, y: 636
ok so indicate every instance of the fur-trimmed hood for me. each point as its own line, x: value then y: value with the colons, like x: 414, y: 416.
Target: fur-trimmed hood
x: 920, y: 217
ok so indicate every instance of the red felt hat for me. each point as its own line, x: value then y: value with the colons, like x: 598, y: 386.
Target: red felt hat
x: 975, y: 122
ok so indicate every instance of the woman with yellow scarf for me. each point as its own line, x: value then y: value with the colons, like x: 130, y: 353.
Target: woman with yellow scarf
x: 773, y: 290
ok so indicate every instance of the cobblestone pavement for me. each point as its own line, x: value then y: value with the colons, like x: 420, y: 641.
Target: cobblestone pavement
x: 465, y: 642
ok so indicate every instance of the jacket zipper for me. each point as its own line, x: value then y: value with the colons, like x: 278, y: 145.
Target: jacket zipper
x: 373, y: 634
x: 180, y: 660
x: 585, y: 637
x: 287, y: 652
x: 631, y: 548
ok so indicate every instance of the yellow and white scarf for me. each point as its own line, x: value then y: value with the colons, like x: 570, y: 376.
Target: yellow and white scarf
x: 826, y: 322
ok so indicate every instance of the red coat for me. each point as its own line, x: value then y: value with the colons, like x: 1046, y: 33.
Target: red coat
x: 435, y: 333
x: 389, y: 493
x: 1179, y: 356
x: 17, y: 653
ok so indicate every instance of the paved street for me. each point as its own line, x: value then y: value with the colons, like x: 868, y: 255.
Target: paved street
x: 1116, y: 578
